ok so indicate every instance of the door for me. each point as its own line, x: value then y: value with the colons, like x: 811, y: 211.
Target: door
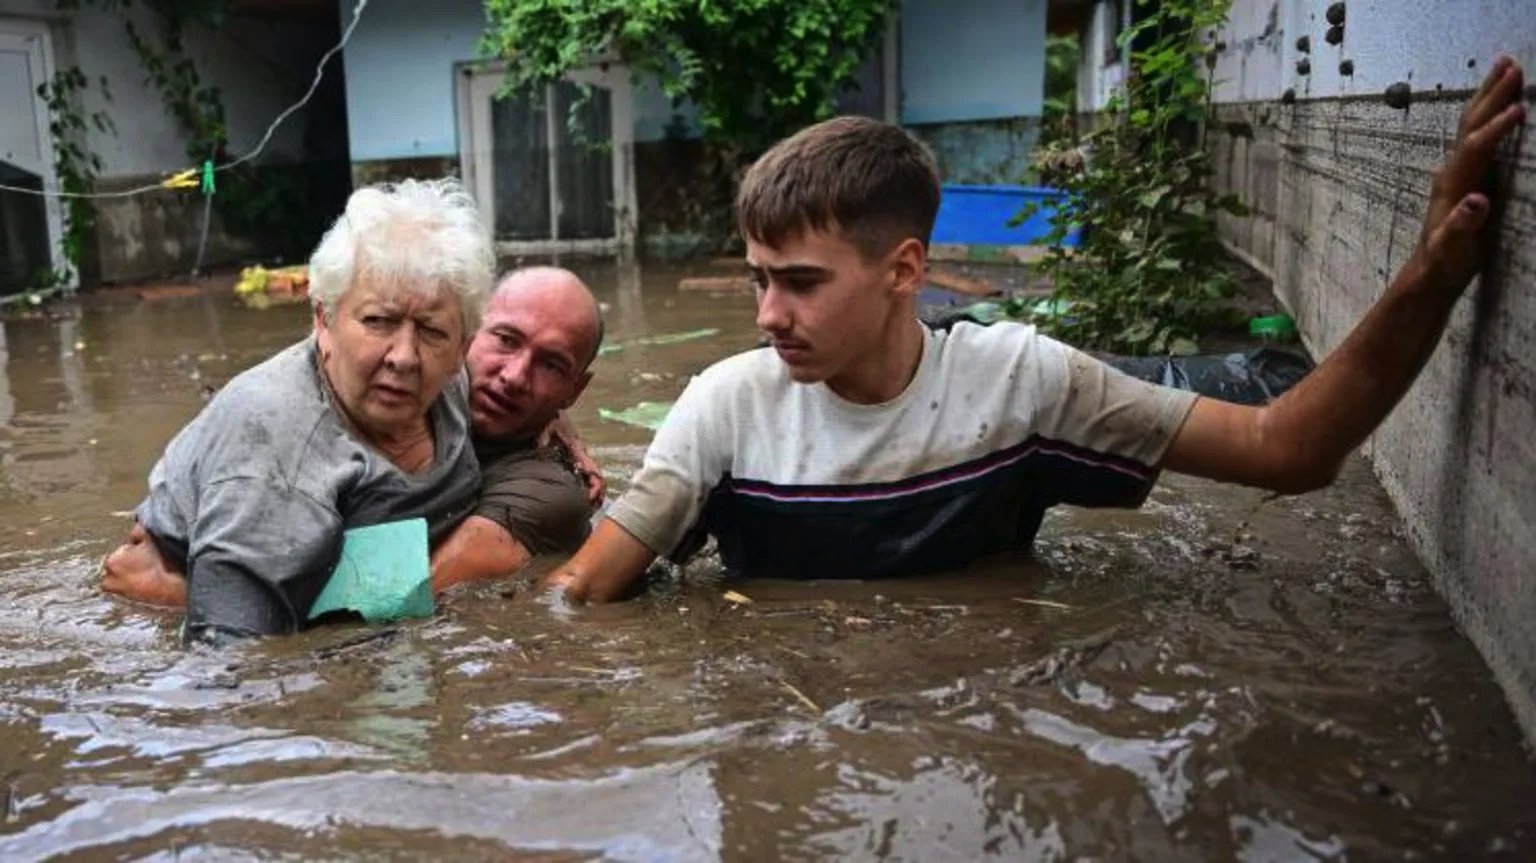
x: 552, y: 170
x: 31, y: 226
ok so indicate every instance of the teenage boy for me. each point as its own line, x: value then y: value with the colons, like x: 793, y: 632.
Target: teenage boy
x: 864, y: 444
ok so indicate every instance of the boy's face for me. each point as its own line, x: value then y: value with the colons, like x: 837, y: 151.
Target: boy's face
x: 826, y: 307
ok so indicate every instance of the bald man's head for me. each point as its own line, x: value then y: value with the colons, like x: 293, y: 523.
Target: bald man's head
x: 561, y: 289
x: 530, y: 358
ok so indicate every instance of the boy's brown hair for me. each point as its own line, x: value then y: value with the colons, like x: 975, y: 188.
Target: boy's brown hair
x: 871, y: 180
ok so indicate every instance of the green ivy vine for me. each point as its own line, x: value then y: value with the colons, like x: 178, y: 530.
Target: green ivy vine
x: 75, y: 165
x: 1150, y: 274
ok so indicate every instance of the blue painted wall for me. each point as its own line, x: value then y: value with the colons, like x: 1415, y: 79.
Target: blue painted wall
x: 972, y: 60
x: 961, y: 60
x: 400, y: 75
x: 400, y: 90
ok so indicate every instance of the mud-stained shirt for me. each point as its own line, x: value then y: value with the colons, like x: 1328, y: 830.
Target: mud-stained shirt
x: 998, y: 424
x: 252, y: 496
x: 533, y: 493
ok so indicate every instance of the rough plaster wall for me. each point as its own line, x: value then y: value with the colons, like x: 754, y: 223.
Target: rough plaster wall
x: 260, y: 68
x: 1339, y: 187
x: 945, y: 43
x: 1097, y: 76
x: 985, y: 152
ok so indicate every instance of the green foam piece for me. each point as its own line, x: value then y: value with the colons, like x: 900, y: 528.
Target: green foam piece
x: 1278, y: 326
x: 663, y: 339
x: 383, y: 574
x: 646, y: 415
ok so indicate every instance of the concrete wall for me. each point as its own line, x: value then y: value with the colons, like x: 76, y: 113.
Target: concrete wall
x: 260, y: 67
x: 1339, y: 181
x: 972, y: 78
x: 1101, y: 70
x: 966, y: 60
x: 400, y: 85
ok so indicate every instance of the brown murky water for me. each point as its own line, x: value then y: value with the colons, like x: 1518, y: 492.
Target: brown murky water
x: 1216, y: 676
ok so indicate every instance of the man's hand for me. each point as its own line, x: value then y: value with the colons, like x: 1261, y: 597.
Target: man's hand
x: 562, y: 432
x: 137, y: 571
x: 1458, y: 205
x: 477, y: 550
x: 1297, y: 443
x: 608, y: 564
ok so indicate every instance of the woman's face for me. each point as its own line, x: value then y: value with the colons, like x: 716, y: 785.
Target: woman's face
x: 388, y: 352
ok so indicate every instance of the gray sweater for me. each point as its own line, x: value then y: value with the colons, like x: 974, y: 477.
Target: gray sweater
x: 252, y: 496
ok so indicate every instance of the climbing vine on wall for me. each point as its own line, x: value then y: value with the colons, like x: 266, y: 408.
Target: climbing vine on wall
x: 1150, y: 273
x: 249, y: 199
x: 74, y: 163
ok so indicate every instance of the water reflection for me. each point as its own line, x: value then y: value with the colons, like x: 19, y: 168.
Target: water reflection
x: 1122, y: 694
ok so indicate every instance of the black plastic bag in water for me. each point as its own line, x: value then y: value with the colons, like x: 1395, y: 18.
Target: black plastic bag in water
x: 1251, y: 377
x: 1247, y: 378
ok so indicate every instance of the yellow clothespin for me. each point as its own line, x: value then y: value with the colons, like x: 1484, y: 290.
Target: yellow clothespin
x: 187, y: 179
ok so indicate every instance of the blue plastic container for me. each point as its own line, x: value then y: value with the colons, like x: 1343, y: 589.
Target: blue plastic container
x: 979, y: 215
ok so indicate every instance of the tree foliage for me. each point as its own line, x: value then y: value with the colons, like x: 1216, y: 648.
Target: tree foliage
x: 1150, y: 273
x: 756, y: 69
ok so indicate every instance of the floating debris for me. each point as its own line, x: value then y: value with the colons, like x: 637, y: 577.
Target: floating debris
x: 663, y: 339
x: 800, y: 696
x: 737, y: 598
x: 261, y: 288
x: 646, y: 415
x: 1043, y: 603
x: 1399, y: 96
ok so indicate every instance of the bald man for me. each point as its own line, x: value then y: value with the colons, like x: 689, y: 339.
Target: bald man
x: 530, y: 360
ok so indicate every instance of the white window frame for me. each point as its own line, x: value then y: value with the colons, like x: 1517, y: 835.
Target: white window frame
x: 26, y: 33
x: 476, y: 85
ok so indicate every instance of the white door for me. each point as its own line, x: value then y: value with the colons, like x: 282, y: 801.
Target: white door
x: 26, y: 153
x: 544, y: 186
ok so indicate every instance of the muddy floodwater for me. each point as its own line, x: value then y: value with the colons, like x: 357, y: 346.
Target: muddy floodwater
x: 1219, y: 675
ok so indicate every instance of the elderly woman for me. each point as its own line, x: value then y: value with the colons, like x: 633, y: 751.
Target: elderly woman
x: 363, y: 422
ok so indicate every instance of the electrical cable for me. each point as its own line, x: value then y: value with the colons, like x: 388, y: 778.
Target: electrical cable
x: 182, y: 179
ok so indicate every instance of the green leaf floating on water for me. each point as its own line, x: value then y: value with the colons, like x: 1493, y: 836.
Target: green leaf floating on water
x: 383, y: 573
x: 662, y: 339
x: 646, y: 415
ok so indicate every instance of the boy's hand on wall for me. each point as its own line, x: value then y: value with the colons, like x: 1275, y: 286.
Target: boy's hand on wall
x: 1458, y: 203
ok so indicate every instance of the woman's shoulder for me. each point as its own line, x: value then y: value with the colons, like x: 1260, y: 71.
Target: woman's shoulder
x: 268, y: 411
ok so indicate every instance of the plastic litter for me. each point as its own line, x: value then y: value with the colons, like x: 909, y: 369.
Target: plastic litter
x: 261, y: 288
x: 663, y: 339
x: 1247, y: 377
x: 384, y: 574
x: 1277, y: 327
x: 646, y: 415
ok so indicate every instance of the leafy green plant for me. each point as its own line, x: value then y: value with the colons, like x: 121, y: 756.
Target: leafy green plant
x: 1149, y: 274
x: 756, y: 69
x: 249, y: 198
x: 74, y: 164
x: 1062, y: 57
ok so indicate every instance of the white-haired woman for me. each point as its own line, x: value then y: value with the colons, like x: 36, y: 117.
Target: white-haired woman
x: 365, y: 421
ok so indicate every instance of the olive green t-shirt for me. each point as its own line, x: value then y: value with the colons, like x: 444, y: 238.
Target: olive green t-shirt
x: 535, y: 494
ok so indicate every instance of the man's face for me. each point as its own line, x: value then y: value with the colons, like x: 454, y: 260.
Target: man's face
x: 388, y: 352
x: 825, y: 307
x: 526, y: 364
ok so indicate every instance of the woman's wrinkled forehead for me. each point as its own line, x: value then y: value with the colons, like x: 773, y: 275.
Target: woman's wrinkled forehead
x: 404, y: 295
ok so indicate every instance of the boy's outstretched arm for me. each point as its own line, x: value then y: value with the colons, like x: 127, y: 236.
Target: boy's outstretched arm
x: 604, y: 568
x: 1297, y: 443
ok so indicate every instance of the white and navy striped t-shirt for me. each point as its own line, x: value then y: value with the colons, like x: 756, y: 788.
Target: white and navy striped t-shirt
x: 998, y: 424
